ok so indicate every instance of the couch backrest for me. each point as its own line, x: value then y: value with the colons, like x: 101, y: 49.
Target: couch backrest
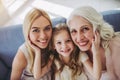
x: 10, y: 39
x: 112, y: 17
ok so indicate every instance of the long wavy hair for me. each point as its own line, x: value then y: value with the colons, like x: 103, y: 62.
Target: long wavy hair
x: 74, y: 63
x: 96, y: 19
x: 28, y: 21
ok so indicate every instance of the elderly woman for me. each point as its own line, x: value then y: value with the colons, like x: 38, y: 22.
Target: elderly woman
x: 98, y: 43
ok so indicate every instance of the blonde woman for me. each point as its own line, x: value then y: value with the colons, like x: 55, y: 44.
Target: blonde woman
x: 67, y: 63
x: 33, y: 59
x: 98, y: 43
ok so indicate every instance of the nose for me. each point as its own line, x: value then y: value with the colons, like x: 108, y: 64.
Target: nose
x: 42, y: 35
x: 64, y: 45
x: 79, y: 37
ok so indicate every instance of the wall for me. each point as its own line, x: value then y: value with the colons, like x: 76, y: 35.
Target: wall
x: 4, y: 16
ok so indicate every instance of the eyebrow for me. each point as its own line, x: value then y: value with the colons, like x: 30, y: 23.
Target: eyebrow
x: 38, y: 27
x: 47, y: 25
x: 84, y: 26
x: 34, y: 27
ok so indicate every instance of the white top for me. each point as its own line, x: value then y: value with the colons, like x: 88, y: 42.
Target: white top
x: 27, y: 75
x: 66, y: 73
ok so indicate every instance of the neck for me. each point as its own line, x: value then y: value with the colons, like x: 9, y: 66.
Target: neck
x: 66, y: 59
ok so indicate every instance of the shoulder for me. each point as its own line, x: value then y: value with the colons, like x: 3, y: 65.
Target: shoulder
x: 19, y: 60
x: 23, y: 47
x: 114, y: 45
x: 20, y: 56
x: 18, y: 65
x: 115, y: 41
x: 24, y: 50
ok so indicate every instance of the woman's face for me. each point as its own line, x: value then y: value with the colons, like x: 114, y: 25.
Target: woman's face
x: 82, y: 32
x: 63, y: 43
x: 40, y: 32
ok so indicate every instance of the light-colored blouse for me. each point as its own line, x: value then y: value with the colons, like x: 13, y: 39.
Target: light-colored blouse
x: 66, y: 74
x: 27, y: 75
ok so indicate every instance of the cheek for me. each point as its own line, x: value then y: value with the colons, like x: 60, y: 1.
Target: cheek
x: 72, y: 46
x: 90, y: 36
x: 32, y: 37
x: 73, y: 38
x: 49, y: 34
x: 57, y: 48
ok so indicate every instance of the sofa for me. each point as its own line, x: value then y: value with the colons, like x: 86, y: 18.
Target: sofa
x: 11, y: 37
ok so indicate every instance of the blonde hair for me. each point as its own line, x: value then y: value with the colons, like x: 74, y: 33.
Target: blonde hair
x: 106, y: 30
x: 28, y: 21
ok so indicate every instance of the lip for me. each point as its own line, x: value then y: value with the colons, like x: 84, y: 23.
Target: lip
x: 83, y: 43
x: 43, y: 42
x: 65, y: 51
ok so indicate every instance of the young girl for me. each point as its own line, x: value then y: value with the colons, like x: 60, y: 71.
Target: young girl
x: 67, y: 65
x: 33, y: 59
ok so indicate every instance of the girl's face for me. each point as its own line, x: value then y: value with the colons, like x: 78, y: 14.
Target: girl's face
x: 82, y: 32
x: 40, y: 32
x: 63, y: 43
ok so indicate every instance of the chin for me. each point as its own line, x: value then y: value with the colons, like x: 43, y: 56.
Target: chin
x: 84, y: 48
x: 43, y: 46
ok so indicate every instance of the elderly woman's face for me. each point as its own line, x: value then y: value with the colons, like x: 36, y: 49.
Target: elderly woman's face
x: 81, y: 32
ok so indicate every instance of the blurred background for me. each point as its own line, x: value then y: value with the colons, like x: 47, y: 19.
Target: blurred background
x: 12, y: 12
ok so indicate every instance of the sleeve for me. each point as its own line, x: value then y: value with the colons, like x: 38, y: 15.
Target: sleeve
x: 25, y: 51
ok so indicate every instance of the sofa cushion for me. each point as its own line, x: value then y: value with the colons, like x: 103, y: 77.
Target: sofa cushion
x: 3, y: 70
x: 112, y: 17
x: 10, y: 38
x: 58, y: 20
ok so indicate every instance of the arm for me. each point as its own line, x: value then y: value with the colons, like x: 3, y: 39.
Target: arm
x: 110, y: 69
x: 38, y: 71
x: 18, y: 65
x: 113, y: 58
x: 95, y: 68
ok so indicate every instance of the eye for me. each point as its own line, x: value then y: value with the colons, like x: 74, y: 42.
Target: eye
x: 36, y: 30
x: 69, y: 40
x: 85, y: 28
x: 73, y: 31
x: 47, y: 28
x: 58, y: 43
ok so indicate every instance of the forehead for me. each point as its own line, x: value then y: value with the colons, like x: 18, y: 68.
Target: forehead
x: 62, y: 34
x: 40, y: 22
x: 77, y: 21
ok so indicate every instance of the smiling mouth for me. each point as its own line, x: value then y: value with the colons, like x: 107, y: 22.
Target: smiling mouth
x: 43, y: 42
x: 82, y: 43
x: 65, y: 51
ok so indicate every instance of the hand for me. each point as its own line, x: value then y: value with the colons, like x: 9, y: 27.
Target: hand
x: 34, y: 47
x: 96, y: 43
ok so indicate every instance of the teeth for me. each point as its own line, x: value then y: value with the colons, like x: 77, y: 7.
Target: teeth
x: 83, y: 43
x: 44, y: 41
x: 65, y: 50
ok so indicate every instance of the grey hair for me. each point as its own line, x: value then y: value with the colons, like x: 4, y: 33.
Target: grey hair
x: 96, y: 19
